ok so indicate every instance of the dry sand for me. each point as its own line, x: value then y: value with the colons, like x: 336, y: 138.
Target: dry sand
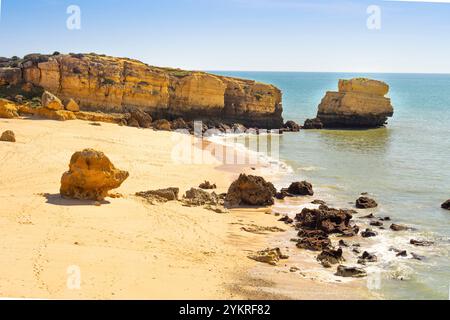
x: 127, y: 248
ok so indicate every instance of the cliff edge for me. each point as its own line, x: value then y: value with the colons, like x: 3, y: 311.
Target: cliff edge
x: 109, y: 84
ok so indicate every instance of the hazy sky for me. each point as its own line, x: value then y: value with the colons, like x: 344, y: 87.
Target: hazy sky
x: 273, y: 35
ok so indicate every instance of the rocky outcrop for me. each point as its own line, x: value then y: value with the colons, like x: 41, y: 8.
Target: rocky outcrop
x: 8, y: 109
x: 302, y: 188
x: 328, y: 220
x: 160, y: 195
x: 250, y: 190
x: 366, y: 203
x: 359, y: 103
x: 108, y: 84
x: 350, y: 272
x: 269, y: 256
x: 91, y: 176
x: 8, y: 136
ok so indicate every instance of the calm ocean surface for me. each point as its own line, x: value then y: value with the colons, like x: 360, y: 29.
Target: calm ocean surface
x: 405, y: 166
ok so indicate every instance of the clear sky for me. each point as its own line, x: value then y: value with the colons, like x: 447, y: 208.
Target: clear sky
x: 264, y: 35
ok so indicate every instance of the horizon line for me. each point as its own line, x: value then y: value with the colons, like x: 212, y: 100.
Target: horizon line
x: 348, y: 72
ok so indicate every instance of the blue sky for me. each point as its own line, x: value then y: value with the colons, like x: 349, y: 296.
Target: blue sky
x: 270, y: 35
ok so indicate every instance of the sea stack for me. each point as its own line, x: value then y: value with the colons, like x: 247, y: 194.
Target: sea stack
x: 360, y: 103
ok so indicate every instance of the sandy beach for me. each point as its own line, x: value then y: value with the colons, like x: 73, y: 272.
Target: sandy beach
x: 127, y: 248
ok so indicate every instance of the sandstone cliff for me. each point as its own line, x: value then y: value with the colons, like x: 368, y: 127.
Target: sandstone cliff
x: 107, y: 84
x: 359, y: 103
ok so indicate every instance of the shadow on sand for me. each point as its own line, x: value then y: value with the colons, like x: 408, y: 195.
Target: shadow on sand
x: 57, y: 200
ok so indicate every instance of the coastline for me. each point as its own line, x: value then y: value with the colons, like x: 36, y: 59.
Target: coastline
x: 127, y: 248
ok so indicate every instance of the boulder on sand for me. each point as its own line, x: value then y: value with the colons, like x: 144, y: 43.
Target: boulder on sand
x: 360, y: 103
x: 250, y: 190
x: 139, y: 118
x: 72, y: 106
x: 8, y: 136
x: 52, y: 102
x: 91, y: 176
x: 161, y: 195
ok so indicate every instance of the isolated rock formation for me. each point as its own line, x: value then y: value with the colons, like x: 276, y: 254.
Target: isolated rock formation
x: 108, y: 84
x: 8, y: 136
x: 446, y: 205
x: 250, y: 190
x: 359, y: 103
x: 302, y: 188
x: 91, y: 176
x: 366, y: 203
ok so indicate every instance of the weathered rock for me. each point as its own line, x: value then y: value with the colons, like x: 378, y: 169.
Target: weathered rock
x: 367, y: 257
x: 91, y: 176
x: 59, y: 115
x: 359, y: 103
x: 319, y: 202
x: 286, y: 219
x: 161, y: 195
x: 8, y: 109
x: 314, y: 240
x: 270, y: 256
x: 117, y: 118
x: 207, y: 186
x: 330, y: 256
x: 179, y: 124
x: 71, y: 105
x: 402, y: 253
x: 446, y: 205
x: 198, y: 197
x: 399, y: 227
x: 350, y: 272
x: 366, y: 203
x: 421, y: 243
x: 343, y: 243
x: 311, y: 124
x: 108, y: 84
x: 417, y: 257
x: 8, y: 136
x: 292, y: 126
x: 283, y: 194
x: 162, y: 125
x: 369, y: 233
x: 250, y: 190
x: 139, y: 118
x: 328, y: 220
x: 302, y: 188
x: 52, y: 102
x: 376, y: 224
x: 10, y: 76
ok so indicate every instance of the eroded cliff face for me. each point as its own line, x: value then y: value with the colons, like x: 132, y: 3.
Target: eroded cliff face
x: 108, y: 84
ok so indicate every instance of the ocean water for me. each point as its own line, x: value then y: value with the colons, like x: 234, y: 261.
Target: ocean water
x: 405, y: 166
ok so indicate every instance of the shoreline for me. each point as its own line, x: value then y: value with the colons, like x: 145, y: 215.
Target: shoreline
x: 127, y: 248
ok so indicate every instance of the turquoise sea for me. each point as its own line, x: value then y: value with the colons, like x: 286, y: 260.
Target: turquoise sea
x: 405, y: 166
